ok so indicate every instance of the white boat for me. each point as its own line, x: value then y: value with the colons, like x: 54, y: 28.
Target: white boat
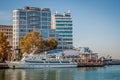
x: 41, y: 61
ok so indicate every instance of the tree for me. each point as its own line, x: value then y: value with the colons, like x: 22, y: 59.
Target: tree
x: 45, y: 45
x: 35, y: 40
x: 30, y: 41
x: 52, y: 43
x: 5, y: 49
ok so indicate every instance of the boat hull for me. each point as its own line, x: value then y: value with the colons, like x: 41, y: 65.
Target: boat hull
x: 12, y: 64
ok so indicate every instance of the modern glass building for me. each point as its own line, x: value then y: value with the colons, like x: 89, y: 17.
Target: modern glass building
x: 63, y: 25
x: 27, y: 19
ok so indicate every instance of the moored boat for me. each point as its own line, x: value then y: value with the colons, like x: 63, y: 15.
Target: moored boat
x: 41, y: 61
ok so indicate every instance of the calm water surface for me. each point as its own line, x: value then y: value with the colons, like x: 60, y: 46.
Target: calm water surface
x: 85, y: 73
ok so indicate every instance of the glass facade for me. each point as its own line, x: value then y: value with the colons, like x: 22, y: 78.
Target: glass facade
x: 27, y: 19
x: 64, y: 26
x: 52, y: 33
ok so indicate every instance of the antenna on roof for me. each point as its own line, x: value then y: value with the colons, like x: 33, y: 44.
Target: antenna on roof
x: 56, y: 12
x: 68, y: 11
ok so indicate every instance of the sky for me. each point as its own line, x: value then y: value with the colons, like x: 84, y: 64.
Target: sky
x: 96, y: 23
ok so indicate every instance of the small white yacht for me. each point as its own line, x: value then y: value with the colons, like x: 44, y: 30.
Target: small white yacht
x: 41, y: 61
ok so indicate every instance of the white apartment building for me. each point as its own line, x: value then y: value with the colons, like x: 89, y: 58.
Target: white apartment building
x: 63, y: 25
x: 27, y: 19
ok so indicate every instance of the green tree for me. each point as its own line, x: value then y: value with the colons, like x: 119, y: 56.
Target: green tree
x: 30, y: 41
x: 52, y: 43
x: 5, y: 49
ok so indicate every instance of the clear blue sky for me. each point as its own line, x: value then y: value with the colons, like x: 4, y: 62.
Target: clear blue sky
x: 96, y: 22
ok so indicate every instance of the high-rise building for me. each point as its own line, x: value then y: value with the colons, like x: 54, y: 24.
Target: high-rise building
x: 8, y: 32
x: 63, y: 25
x: 27, y: 19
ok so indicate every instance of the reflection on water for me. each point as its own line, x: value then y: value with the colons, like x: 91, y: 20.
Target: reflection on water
x: 35, y: 74
x: 83, y: 73
x: 87, y: 68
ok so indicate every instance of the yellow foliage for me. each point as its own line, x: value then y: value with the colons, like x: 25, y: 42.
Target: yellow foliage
x: 30, y: 41
x: 52, y: 43
x: 35, y: 40
x: 5, y: 49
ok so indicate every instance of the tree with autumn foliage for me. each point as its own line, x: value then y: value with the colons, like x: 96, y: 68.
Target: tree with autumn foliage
x: 5, y: 49
x: 34, y: 40
x: 30, y: 41
x: 52, y: 43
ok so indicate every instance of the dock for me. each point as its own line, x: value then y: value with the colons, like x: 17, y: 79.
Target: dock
x: 113, y: 62
x: 89, y: 63
x: 96, y: 63
x: 3, y: 65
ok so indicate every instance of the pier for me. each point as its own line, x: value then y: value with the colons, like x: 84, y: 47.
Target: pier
x: 89, y: 63
x: 96, y: 63
x: 113, y: 62
x: 3, y: 65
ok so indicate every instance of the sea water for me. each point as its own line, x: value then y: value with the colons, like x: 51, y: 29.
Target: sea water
x: 81, y: 73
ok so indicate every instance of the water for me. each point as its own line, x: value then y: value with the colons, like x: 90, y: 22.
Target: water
x: 85, y: 73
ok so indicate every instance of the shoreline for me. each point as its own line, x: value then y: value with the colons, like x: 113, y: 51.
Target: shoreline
x: 3, y: 65
x: 114, y: 62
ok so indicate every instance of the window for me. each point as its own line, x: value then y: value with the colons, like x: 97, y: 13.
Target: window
x: 22, y: 18
x: 44, y: 14
x: 49, y: 15
x: 48, y: 19
x: 22, y: 13
x: 63, y: 24
x: 44, y: 19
